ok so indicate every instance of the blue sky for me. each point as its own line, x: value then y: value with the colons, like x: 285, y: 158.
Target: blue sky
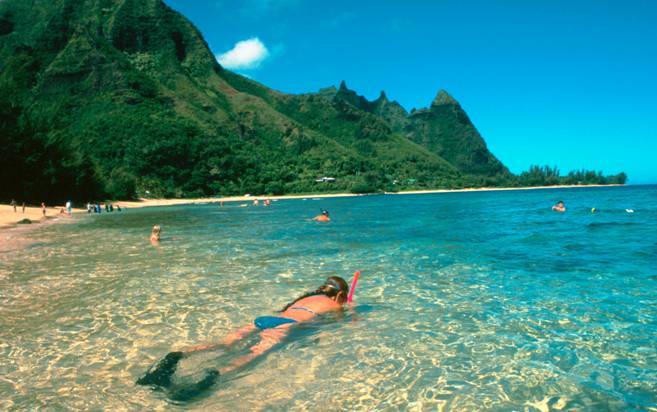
x: 571, y: 84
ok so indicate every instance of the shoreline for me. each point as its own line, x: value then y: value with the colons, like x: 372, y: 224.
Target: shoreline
x: 496, y: 189
x: 13, y: 233
x: 10, y: 219
x: 170, y: 202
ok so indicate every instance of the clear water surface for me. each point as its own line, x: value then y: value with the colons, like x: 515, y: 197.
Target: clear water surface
x: 467, y: 301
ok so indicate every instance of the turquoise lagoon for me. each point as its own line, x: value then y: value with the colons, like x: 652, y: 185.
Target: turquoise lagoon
x: 467, y: 301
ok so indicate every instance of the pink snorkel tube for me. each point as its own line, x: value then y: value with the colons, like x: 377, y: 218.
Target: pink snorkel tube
x: 352, y: 289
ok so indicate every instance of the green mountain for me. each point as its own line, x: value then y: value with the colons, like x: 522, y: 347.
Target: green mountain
x: 446, y: 130
x: 122, y: 98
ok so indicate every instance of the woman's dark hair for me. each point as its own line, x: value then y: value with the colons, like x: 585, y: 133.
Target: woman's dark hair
x: 330, y: 288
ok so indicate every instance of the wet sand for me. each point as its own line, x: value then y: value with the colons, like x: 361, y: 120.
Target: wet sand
x: 9, y: 218
x: 12, y: 233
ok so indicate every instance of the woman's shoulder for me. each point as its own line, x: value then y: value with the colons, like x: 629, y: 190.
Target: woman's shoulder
x: 315, y: 298
x: 319, y: 301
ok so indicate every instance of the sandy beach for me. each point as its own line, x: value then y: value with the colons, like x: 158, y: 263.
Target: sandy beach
x: 250, y: 199
x: 9, y: 218
x: 11, y: 231
x: 493, y: 189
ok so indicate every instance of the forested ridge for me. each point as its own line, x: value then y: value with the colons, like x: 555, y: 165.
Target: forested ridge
x: 118, y: 99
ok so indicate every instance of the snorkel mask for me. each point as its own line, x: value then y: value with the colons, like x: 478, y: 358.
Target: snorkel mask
x: 332, y: 284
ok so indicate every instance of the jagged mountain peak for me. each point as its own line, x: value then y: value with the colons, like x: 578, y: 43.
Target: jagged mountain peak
x: 329, y: 91
x: 443, y: 98
x: 135, y: 101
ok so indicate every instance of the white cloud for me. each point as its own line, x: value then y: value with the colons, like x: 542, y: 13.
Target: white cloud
x: 247, y: 54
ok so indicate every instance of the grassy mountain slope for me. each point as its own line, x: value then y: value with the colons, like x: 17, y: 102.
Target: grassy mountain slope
x: 118, y: 98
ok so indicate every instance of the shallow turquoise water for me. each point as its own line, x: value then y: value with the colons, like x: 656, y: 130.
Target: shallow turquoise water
x: 467, y: 301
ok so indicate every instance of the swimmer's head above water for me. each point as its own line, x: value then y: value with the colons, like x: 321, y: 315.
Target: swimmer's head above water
x: 323, y: 216
x: 155, y: 233
x: 559, y: 206
x: 334, y: 288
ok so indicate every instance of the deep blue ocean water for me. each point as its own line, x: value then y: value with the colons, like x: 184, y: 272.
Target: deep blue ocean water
x: 467, y: 301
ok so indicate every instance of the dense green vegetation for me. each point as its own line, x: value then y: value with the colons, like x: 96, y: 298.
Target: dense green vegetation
x: 550, y: 176
x: 118, y: 99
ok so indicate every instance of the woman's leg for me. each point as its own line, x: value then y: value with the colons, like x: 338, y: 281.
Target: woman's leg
x: 160, y: 374
x: 228, y: 340
x: 268, y: 339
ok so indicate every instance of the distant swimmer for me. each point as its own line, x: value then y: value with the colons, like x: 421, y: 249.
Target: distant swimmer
x: 264, y: 333
x: 559, y: 207
x: 255, y: 202
x: 629, y: 210
x: 323, y: 217
x: 156, y: 233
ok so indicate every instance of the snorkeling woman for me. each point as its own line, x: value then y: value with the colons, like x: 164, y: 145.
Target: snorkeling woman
x: 329, y: 297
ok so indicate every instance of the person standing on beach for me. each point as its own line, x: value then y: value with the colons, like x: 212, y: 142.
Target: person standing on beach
x: 23, y: 207
x: 13, y: 204
x: 43, y: 208
x: 69, y: 207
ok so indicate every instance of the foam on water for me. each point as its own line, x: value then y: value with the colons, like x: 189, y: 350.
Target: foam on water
x: 467, y: 301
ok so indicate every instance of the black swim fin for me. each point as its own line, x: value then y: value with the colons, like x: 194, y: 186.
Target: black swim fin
x: 188, y: 392
x: 160, y: 374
